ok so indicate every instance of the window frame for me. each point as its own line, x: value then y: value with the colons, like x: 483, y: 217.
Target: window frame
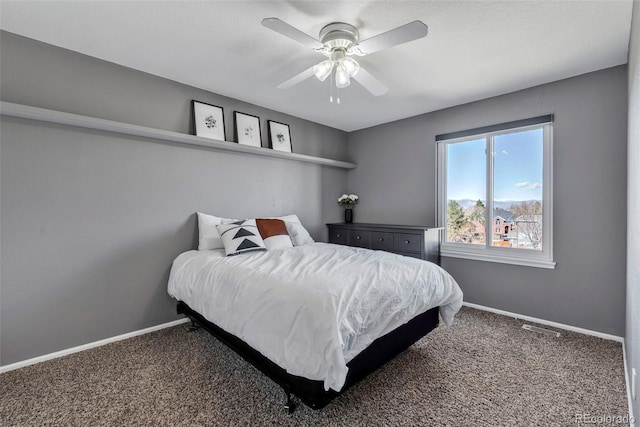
x: 487, y: 252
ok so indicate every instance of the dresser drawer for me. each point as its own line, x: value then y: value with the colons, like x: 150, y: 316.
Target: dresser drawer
x: 338, y: 236
x: 360, y: 238
x: 406, y: 242
x: 381, y: 241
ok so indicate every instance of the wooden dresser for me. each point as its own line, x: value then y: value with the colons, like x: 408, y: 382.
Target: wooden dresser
x: 410, y: 240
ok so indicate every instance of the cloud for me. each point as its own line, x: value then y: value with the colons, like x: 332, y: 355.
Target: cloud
x: 526, y: 185
x: 505, y: 152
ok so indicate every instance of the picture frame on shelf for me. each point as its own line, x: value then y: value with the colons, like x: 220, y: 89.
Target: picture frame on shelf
x: 208, y: 120
x: 279, y: 136
x: 248, y: 130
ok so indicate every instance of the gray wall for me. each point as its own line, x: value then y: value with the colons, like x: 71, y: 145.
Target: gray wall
x: 91, y: 221
x: 396, y: 182
x: 632, y: 335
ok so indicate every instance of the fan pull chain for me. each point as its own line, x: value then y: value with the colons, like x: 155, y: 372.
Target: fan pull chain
x: 337, y: 90
x: 331, y: 86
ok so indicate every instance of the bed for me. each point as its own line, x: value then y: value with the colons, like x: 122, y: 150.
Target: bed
x: 315, y: 318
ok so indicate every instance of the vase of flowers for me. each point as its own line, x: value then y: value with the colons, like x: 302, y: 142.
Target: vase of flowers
x: 348, y: 201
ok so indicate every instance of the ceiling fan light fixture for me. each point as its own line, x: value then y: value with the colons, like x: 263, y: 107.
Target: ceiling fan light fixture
x: 350, y: 65
x: 342, y: 77
x: 323, y: 69
x: 338, y: 41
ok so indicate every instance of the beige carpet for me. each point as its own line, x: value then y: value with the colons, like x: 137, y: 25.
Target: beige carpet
x: 485, y: 371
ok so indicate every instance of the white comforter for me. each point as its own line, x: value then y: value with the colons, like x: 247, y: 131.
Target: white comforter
x: 312, y: 308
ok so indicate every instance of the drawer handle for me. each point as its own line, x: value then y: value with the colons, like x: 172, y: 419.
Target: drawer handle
x: 407, y: 242
x: 338, y: 235
x: 382, y: 239
x: 357, y: 237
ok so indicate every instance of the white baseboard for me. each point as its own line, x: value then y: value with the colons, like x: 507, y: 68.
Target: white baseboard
x: 547, y: 322
x: 632, y: 421
x: 39, y: 359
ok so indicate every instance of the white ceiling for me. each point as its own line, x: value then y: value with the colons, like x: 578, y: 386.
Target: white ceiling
x: 474, y: 50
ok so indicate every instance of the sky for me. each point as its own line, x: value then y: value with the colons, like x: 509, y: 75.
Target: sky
x: 517, y: 167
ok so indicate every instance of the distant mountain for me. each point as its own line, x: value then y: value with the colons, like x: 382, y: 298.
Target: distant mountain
x: 506, y: 204
x: 502, y: 205
x: 467, y: 203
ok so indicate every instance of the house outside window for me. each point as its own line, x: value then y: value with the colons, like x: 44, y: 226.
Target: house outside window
x: 495, y: 193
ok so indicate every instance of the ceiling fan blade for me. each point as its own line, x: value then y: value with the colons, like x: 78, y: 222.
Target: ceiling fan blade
x: 403, y: 34
x: 370, y: 83
x: 293, y: 33
x: 297, y: 79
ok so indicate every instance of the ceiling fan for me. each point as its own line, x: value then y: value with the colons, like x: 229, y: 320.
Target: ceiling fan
x: 339, y: 42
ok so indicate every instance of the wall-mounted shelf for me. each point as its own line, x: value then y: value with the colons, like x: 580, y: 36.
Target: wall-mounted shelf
x: 59, y: 117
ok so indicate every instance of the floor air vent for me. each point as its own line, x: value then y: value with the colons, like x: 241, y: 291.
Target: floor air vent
x: 540, y: 330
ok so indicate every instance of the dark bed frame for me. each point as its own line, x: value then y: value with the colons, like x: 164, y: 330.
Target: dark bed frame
x: 312, y: 392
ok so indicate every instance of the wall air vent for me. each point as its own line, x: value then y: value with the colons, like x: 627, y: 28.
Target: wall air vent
x: 541, y: 330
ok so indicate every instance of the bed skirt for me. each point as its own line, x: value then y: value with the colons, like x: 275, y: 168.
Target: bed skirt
x: 312, y: 392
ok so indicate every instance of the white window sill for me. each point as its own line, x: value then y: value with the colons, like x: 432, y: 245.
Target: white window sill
x: 500, y: 258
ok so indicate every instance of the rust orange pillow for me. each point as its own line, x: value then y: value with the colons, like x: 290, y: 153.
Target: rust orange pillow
x: 274, y: 233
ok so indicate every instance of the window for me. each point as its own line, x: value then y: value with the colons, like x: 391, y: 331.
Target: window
x: 495, y: 193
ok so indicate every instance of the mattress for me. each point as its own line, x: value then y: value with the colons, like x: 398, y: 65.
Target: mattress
x: 310, y: 309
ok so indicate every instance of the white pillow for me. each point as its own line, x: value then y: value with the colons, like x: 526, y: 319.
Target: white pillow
x: 208, y: 235
x: 240, y: 237
x: 299, y: 235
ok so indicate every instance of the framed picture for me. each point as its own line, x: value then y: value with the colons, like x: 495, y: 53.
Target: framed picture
x: 248, y: 129
x: 279, y: 136
x: 208, y: 120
